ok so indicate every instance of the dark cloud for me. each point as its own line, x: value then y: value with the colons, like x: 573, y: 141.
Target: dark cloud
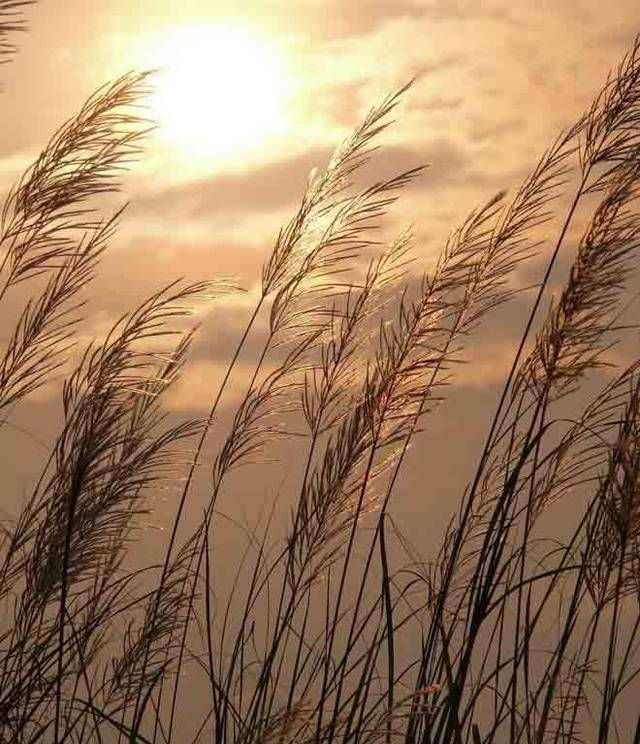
x: 135, y: 268
x: 447, y: 163
x: 221, y: 330
x: 282, y: 184
x: 265, y: 188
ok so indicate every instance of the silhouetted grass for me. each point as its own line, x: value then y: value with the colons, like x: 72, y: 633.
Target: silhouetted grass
x: 335, y: 628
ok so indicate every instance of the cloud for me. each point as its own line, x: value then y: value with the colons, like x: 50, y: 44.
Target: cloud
x: 267, y: 187
x: 361, y: 19
x: 12, y: 167
x: 276, y: 189
x: 154, y: 261
x: 199, y: 383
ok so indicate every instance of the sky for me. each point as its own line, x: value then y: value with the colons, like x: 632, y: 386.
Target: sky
x: 252, y: 95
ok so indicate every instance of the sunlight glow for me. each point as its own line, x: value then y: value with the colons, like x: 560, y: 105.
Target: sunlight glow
x: 220, y: 90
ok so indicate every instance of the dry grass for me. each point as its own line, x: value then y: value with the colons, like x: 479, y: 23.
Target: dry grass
x: 505, y: 632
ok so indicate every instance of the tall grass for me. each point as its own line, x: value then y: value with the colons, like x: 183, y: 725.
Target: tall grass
x: 334, y: 628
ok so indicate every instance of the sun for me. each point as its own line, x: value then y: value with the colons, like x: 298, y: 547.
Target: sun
x: 219, y: 90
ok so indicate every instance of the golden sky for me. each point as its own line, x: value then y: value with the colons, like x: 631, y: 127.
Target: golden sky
x: 255, y: 94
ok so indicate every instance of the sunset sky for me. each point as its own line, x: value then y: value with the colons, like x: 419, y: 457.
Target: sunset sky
x: 249, y: 98
x: 252, y: 95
